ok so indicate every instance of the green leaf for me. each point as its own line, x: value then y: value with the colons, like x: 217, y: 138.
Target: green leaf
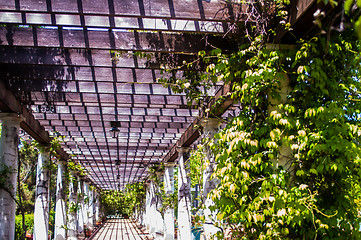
x: 300, y: 173
x: 358, y: 27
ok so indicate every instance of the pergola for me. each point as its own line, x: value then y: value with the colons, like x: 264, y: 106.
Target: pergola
x: 73, y: 68
x: 59, y: 69
x: 57, y: 60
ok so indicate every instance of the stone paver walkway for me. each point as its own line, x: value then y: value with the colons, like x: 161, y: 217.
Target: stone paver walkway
x: 120, y: 229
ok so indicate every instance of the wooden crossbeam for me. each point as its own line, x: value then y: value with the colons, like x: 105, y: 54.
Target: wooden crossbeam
x: 32, y: 57
x: 192, y: 16
x: 100, y: 40
x: 8, y: 103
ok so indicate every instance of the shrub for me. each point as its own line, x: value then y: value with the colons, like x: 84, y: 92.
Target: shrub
x: 29, y: 224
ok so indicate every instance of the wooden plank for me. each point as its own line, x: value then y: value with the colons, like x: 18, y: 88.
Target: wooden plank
x: 81, y: 74
x: 149, y: 25
x: 171, y: 9
x: 81, y: 58
x: 301, y: 7
x: 115, y: 40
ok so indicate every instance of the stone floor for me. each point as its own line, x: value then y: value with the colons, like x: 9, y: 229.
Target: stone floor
x: 120, y: 229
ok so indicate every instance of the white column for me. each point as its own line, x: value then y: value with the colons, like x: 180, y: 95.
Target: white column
x: 152, y: 210
x: 73, y: 206
x: 184, y: 196
x: 210, y: 127
x: 80, y: 214
x: 41, y: 212
x: 91, y: 208
x: 285, y: 151
x: 60, y: 205
x: 148, y: 200
x: 8, y: 166
x: 86, y: 203
x: 97, y: 207
x: 169, y: 212
x: 159, y: 221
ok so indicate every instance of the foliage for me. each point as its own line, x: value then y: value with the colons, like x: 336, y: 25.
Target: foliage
x: 28, y: 156
x: 112, y: 202
x: 135, y: 198
x: 51, y: 222
x: 352, y: 8
x: 76, y: 167
x: 163, y: 200
x: 289, y: 162
x: 29, y: 224
x: 198, y: 163
x: 73, y: 207
x: 5, y: 172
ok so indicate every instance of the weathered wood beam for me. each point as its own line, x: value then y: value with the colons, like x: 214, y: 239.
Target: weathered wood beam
x: 99, y: 10
x: 299, y: 8
x: 101, y: 40
x: 301, y: 18
x: 8, y: 103
x: 32, y: 57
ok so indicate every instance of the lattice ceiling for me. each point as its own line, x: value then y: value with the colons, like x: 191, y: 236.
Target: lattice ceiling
x: 57, y: 57
x: 58, y: 67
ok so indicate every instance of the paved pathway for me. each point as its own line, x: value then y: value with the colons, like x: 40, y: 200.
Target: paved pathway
x: 120, y: 229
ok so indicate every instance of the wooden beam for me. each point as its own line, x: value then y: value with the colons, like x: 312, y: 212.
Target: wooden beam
x: 101, y: 40
x: 301, y: 18
x: 70, y: 11
x: 60, y: 58
x: 9, y: 103
x: 299, y: 8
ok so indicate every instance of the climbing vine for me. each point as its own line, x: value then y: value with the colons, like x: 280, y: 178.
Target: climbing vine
x: 288, y: 161
x: 163, y: 199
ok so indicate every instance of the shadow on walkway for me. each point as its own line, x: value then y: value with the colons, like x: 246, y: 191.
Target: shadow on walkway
x: 122, y: 229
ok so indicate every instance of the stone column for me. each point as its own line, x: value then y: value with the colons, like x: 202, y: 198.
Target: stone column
x: 8, y: 167
x: 72, y: 207
x: 285, y: 152
x: 152, y: 217
x: 169, y: 212
x: 60, y: 205
x: 210, y: 128
x: 184, y: 196
x: 148, y: 200
x: 80, y: 214
x: 91, y: 207
x: 41, y: 212
x: 97, y: 207
x: 158, y: 218
x: 86, y: 203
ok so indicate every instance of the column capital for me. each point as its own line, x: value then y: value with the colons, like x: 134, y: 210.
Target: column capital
x: 9, y: 118
x: 183, y: 149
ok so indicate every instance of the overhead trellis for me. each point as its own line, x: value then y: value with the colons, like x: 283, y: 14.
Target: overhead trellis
x: 73, y: 67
